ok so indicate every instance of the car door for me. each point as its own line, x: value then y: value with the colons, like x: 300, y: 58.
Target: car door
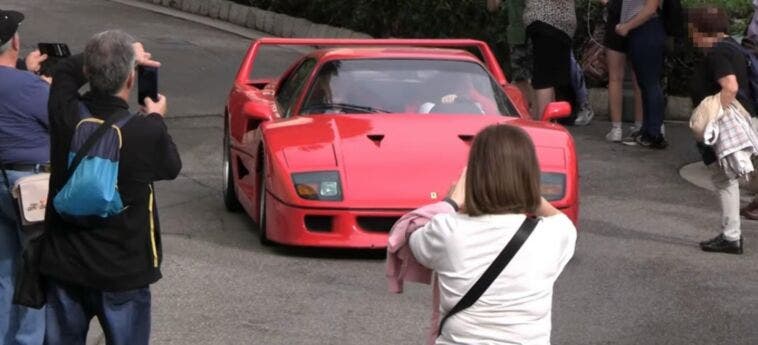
x: 290, y: 89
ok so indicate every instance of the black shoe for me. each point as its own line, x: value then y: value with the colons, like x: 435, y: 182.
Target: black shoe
x: 720, y: 244
x: 659, y: 143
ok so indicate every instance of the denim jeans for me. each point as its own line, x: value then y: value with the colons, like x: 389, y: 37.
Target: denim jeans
x: 18, y: 325
x: 646, y: 48
x: 124, y: 315
x: 578, y: 84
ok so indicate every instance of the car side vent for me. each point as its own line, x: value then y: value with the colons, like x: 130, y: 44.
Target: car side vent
x: 319, y: 223
x: 377, y: 224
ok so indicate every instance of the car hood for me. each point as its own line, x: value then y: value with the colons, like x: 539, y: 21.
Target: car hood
x: 397, y: 161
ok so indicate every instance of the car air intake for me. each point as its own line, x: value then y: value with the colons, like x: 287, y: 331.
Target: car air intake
x: 377, y: 224
x: 318, y: 223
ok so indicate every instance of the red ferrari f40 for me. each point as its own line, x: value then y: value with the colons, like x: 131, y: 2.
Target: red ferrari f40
x: 355, y: 133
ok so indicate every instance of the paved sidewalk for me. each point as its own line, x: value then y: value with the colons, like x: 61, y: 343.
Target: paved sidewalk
x: 699, y: 175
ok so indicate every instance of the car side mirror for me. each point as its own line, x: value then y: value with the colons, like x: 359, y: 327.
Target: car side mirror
x: 556, y: 110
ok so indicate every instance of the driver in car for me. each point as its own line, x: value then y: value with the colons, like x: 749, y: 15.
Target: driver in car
x: 458, y: 95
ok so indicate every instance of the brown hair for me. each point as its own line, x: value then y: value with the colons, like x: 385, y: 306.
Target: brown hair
x: 708, y: 19
x: 502, y: 175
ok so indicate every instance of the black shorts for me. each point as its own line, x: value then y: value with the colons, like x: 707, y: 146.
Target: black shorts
x: 612, y: 40
x: 551, y: 53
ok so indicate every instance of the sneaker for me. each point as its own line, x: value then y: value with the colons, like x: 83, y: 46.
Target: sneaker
x: 720, y: 244
x: 614, y: 135
x: 584, y: 117
x: 656, y: 144
x: 631, y: 139
x: 751, y: 210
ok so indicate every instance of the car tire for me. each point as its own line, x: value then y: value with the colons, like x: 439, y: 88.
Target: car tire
x: 230, y: 195
x: 262, y: 226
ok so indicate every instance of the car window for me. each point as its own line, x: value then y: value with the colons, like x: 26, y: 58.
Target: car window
x: 412, y: 86
x: 286, y: 95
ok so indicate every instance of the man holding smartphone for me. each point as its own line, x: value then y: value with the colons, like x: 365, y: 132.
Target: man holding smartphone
x: 104, y: 271
x: 24, y: 150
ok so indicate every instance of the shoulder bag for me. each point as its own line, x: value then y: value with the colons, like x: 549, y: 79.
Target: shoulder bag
x: 29, y: 289
x: 492, y: 272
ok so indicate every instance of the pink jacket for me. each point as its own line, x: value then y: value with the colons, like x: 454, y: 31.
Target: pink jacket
x: 402, y: 266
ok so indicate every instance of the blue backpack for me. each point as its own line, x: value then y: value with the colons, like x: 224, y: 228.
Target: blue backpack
x: 750, y: 92
x: 91, y: 189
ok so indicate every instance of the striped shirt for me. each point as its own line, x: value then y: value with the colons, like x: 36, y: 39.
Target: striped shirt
x: 630, y: 8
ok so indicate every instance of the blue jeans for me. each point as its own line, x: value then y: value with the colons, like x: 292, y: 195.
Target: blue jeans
x: 18, y: 325
x: 124, y: 315
x: 578, y: 84
x: 646, y: 48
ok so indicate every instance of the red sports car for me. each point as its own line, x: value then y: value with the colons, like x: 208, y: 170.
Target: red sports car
x: 331, y: 152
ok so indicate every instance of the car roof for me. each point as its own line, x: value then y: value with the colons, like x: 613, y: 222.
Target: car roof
x: 394, y: 52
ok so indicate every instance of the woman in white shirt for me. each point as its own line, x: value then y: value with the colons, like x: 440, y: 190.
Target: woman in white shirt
x: 500, y: 186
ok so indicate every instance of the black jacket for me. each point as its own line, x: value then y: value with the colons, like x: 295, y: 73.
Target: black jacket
x: 124, y: 253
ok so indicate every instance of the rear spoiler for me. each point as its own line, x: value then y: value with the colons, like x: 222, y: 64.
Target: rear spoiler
x: 488, y: 57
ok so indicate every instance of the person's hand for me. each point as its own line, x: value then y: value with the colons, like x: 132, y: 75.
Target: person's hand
x: 458, y: 192
x: 142, y: 57
x: 47, y: 79
x: 603, y: 2
x: 34, y: 61
x: 448, y: 99
x: 493, y: 5
x: 622, y: 30
x: 160, y: 107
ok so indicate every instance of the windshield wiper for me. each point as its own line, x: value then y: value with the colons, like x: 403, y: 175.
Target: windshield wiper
x: 348, y: 107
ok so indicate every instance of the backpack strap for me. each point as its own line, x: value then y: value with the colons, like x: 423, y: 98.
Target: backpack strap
x: 119, y: 116
x: 492, y: 272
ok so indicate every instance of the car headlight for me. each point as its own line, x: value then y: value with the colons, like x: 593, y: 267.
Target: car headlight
x: 322, y: 185
x: 553, y: 186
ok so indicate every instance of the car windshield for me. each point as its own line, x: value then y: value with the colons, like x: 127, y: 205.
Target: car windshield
x: 417, y: 86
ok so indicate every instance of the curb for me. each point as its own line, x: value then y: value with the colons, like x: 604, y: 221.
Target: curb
x: 276, y: 24
x: 677, y: 108
x: 282, y: 25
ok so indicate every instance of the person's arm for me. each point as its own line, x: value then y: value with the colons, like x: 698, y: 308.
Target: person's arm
x: 68, y: 78
x: 723, y: 73
x: 428, y: 242
x: 648, y: 10
x: 168, y: 164
x: 729, y: 89
x: 166, y: 161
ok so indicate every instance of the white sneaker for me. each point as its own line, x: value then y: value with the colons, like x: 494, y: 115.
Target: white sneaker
x: 584, y: 117
x: 614, y: 135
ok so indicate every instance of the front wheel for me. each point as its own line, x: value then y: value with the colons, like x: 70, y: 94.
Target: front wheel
x: 262, y: 237
x: 230, y: 195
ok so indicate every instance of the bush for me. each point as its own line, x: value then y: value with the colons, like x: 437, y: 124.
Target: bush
x: 469, y: 18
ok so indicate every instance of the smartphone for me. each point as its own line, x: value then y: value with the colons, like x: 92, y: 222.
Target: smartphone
x: 55, y: 52
x: 147, y: 83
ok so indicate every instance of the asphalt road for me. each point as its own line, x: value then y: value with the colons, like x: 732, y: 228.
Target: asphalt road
x: 637, y: 276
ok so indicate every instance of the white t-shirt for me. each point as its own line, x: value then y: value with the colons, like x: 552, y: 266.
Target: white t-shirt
x: 515, y: 309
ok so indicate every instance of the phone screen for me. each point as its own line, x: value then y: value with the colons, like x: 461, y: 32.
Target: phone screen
x: 55, y: 52
x: 147, y: 83
x: 59, y: 50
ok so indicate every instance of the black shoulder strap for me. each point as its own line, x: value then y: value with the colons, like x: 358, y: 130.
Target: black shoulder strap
x: 94, y: 138
x: 494, y: 270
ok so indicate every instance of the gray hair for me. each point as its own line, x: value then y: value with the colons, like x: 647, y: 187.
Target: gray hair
x: 109, y: 60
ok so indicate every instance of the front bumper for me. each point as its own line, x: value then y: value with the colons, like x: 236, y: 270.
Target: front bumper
x: 335, y: 228
x: 338, y: 228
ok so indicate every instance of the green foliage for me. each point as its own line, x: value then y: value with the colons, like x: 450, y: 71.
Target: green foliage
x: 469, y: 18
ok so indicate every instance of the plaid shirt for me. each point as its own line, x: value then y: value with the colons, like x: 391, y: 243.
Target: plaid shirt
x: 730, y: 134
